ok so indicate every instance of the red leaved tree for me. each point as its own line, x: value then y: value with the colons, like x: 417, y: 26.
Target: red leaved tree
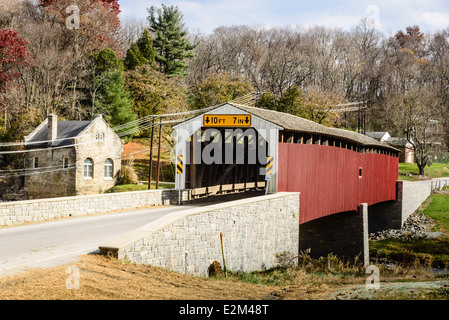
x: 13, y: 55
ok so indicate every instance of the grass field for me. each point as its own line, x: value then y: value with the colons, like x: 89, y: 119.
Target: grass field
x: 140, y: 187
x: 425, y: 252
x: 438, y: 209
x: 104, y: 278
x: 138, y: 153
x: 409, y: 171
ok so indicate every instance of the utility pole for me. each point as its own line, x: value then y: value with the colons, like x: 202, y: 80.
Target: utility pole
x: 151, y: 156
x: 364, y: 118
x: 159, y: 153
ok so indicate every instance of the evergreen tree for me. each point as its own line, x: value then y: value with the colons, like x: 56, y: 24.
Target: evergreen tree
x: 146, y: 48
x: 106, y: 60
x: 109, y: 95
x: 134, y: 57
x: 114, y: 101
x: 170, y: 41
x: 140, y: 53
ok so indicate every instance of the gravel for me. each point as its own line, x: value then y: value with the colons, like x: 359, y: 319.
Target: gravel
x: 416, y: 226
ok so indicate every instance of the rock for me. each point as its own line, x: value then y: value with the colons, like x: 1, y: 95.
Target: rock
x: 416, y: 226
x: 215, y: 269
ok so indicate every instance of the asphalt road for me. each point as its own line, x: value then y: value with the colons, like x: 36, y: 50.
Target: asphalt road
x: 61, y: 242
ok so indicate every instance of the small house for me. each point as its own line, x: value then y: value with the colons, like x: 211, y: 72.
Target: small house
x: 406, y: 148
x: 69, y: 158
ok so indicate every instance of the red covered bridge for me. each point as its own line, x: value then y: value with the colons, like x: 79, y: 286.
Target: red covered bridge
x: 333, y: 180
x: 334, y: 170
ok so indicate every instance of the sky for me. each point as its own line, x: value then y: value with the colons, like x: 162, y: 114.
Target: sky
x: 389, y: 16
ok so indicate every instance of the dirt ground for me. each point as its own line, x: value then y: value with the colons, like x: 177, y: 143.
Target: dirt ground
x: 103, y: 278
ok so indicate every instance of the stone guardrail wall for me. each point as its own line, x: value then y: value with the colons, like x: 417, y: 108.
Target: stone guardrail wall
x: 413, y: 195
x: 254, y: 230
x: 439, y: 183
x: 19, y: 212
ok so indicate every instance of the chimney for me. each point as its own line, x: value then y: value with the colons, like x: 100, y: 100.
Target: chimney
x: 52, y: 127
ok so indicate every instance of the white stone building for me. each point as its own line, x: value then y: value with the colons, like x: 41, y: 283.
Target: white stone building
x: 68, y: 158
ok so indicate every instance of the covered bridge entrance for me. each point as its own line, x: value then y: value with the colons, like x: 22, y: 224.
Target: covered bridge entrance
x: 339, y: 174
x: 226, y: 150
x: 236, y: 147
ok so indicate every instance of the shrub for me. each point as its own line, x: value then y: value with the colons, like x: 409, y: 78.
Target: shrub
x: 127, y: 174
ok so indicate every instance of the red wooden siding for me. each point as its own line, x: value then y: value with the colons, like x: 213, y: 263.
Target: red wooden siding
x: 328, y: 178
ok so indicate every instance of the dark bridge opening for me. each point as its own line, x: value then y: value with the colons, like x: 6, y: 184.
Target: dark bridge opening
x: 225, y: 160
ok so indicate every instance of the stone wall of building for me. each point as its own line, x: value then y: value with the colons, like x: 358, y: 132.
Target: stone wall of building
x: 99, y: 143
x: 12, y: 213
x: 50, y: 179
x: 254, y: 231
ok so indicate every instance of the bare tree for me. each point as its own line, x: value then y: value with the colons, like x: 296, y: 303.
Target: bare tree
x: 416, y: 115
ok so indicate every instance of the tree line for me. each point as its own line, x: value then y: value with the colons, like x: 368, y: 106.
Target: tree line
x: 129, y: 69
x: 403, y: 78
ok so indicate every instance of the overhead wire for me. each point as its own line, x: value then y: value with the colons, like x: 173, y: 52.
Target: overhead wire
x: 45, y: 149
x: 39, y: 168
x: 25, y: 173
x: 148, y: 125
x: 117, y: 128
x: 135, y: 127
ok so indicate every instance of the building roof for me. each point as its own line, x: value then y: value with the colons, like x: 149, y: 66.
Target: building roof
x: 400, y: 142
x: 378, y: 135
x: 66, y: 129
x: 294, y: 123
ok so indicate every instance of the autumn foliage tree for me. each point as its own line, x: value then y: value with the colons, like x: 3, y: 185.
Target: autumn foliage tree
x: 219, y: 88
x: 113, y: 5
x: 13, y: 54
x: 99, y: 21
x: 13, y: 57
x: 98, y: 25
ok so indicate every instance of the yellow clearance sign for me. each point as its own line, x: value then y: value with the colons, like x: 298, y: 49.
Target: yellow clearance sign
x: 226, y: 120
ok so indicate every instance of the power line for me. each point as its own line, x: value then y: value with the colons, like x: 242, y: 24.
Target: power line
x: 39, y: 168
x: 133, y: 123
x: 350, y: 104
x: 145, y: 127
x: 361, y: 105
x: 347, y: 109
x: 117, y: 128
x: 45, y: 149
x: 151, y: 117
x: 249, y: 99
x: 15, y: 144
x: 25, y: 173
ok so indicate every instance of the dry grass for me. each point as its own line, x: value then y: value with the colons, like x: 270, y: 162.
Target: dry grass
x: 103, y: 278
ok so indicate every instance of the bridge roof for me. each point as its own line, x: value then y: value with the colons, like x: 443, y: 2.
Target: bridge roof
x: 291, y: 122
x: 294, y: 123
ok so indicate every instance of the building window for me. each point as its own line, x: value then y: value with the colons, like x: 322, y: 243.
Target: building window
x: 108, y: 169
x: 360, y: 172
x: 88, y: 169
x: 35, y: 162
x: 65, y: 163
x: 102, y: 136
x: 97, y: 136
